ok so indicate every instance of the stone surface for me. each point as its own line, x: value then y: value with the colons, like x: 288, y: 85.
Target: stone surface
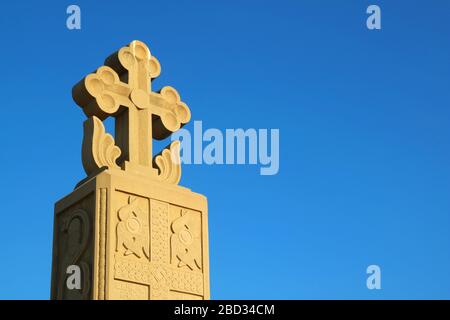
x: 132, y: 231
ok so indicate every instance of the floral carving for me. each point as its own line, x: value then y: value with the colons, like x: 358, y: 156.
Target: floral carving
x: 169, y: 164
x: 185, y: 242
x: 132, y: 230
x: 99, y: 149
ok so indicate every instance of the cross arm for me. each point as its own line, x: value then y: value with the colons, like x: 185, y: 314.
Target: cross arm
x: 101, y: 93
x: 169, y: 112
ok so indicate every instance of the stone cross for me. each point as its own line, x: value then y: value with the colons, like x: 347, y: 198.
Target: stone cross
x: 122, y: 89
x: 128, y: 228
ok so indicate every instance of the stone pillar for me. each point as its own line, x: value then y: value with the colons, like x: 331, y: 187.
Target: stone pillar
x: 129, y: 231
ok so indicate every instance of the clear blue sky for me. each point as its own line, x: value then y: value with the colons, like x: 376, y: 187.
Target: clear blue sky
x: 364, y: 119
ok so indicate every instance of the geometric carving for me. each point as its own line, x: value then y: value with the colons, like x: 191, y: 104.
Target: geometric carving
x: 157, y: 271
x: 132, y: 230
x: 130, y: 291
x: 160, y: 278
x: 159, y: 231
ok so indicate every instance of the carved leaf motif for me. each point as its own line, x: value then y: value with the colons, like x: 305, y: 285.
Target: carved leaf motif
x: 99, y: 149
x: 168, y: 163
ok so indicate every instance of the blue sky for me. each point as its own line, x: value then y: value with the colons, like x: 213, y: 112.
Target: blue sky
x: 364, y: 125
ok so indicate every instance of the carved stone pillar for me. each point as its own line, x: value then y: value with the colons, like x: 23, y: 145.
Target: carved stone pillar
x: 133, y: 239
x: 128, y: 228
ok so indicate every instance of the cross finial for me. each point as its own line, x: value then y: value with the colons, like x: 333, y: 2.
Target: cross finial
x: 122, y: 89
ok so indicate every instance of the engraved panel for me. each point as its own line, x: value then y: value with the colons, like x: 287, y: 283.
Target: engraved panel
x: 74, y: 246
x: 186, y: 238
x: 132, y: 229
x: 163, y: 254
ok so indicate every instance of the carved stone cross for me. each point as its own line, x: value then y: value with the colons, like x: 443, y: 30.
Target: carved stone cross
x: 122, y: 89
x: 131, y: 230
